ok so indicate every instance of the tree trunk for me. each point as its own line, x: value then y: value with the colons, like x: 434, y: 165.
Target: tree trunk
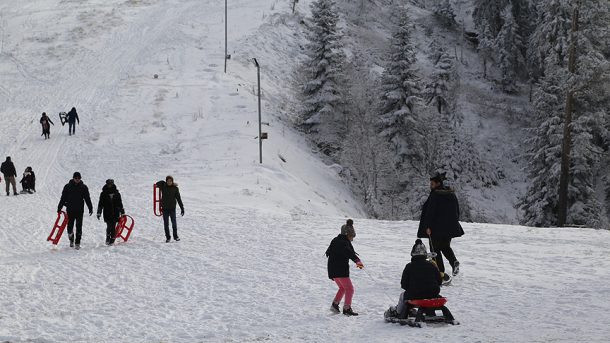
x: 562, y: 203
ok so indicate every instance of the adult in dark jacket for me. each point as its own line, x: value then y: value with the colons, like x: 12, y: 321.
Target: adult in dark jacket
x: 10, y: 174
x: 440, y: 222
x: 111, y: 205
x: 74, y: 196
x: 339, y: 253
x: 72, y: 120
x: 28, y: 181
x: 170, y: 195
x: 46, y: 123
x: 421, y: 279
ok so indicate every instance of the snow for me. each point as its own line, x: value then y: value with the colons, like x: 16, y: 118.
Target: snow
x: 250, y: 265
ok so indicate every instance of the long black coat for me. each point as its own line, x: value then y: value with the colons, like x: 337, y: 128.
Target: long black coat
x: 441, y: 213
x: 73, y: 116
x: 8, y: 169
x: 74, y: 196
x: 29, y: 181
x: 339, y: 253
x: 421, y: 279
x: 111, y: 204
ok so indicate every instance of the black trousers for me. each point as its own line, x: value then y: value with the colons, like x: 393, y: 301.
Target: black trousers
x: 442, y: 246
x: 71, y: 127
x: 78, y: 218
x: 170, y: 213
x: 110, y: 231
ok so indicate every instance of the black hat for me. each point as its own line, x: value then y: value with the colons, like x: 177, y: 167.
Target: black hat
x: 438, y: 177
x: 76, y: 175
x: 110, y: 182
x: 419, y: 249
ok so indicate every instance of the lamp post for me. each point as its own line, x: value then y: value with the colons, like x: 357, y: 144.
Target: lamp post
x: 260, y: 130
x: 226, y: 36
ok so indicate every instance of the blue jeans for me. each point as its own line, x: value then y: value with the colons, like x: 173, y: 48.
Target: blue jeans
x: 167, y: 214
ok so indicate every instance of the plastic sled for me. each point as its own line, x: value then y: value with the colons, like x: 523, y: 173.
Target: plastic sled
x: 124, y: 227
x: 422, y: 311
x: 58, y: 229
x: 157, y: 201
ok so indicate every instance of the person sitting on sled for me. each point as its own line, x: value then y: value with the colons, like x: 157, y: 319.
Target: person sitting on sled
x: 28, y: 181
x: 421, y: 279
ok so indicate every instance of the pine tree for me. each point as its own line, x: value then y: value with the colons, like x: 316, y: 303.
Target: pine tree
x: 509, y: 47
x: 400, y: 89
x: 444, y: 12
x: 437, y: 90
x: 323, y: 90
x: 489, y: 11
x: 486, y: 47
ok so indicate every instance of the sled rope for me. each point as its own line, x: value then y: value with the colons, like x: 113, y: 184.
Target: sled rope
x: 377, y: 284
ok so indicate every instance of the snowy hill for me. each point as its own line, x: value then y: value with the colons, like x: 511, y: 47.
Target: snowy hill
x: 250, y: 266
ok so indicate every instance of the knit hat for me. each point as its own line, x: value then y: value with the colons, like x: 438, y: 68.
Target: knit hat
x: 348, y: 228
x: 439, y: 177
x: 419, y: 249
x: 76, y: 175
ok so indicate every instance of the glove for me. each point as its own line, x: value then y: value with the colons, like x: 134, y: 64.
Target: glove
x: 90, y: 213
x: 182, y: 212
x: 359, y: 264
x: 59, y: 210
x: 98, y: 216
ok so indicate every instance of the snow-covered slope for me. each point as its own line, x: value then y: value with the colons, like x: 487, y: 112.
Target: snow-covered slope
x: 250, y: 265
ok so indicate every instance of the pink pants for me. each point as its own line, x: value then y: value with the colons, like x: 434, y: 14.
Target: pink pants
x: 345, y: 287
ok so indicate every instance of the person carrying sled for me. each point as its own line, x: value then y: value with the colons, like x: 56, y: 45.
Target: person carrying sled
x: 170, y: 194
x: 111, y: 205
x: 421, y: 279
x: 339, y: 253
x: 7, y: 168
x: 28, y: 181
x: 440, y: 222
x: 72, y: 120
x: 46, y: 123
x: 74, y: 195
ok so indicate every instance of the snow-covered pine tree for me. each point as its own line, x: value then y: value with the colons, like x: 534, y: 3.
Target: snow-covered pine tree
x: 486, y: 47
x: 323, y: 90
x: 489, y: 11
x: 400, y: 90
x: 444, y: 12
x: 437, y: 90
x: 509, y: 47
x: 539, y: 204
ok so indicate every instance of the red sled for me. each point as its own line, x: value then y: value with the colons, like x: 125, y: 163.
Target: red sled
x: 124, y: 227
x: 426, y: 312
x: 157, y: 210
x: 58, y: 229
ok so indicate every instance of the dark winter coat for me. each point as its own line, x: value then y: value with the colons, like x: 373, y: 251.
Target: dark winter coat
x: 8, y: 169
x: 421, y: 279
x: 111, y: 204
x: 74, y: 196
x: 441, y: 213
x: 339, y: 253
x: 169, y: 196
x: 28, y: 181
x: 46, y: 122
x: 73, y: 116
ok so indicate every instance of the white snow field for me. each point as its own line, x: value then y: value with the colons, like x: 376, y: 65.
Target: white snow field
x: 251, y: 265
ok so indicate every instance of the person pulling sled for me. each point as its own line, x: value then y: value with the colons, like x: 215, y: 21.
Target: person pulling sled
x: 74, y: 197
x: 170, y: 195
x: 421, y: 281
x: 339, y: 253
x: 111, y: 205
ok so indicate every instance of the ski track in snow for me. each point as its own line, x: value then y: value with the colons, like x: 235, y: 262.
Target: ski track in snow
x: 251, y: 265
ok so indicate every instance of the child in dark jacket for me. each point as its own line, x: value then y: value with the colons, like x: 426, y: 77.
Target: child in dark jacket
x: 421, y: 279
x: 339, y: 253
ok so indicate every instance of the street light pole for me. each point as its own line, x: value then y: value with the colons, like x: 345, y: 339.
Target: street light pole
x: 226, y: 16
x: 260, y: 130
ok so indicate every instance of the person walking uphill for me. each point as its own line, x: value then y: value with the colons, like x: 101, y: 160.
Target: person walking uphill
x: 74, y: 196
x: 440, y: 222
x: 46, y: 122
x: 10, y: 174
x: 72, y: 120
x: 170, y: 194
x: 339, y: 253
x: 111, y: 205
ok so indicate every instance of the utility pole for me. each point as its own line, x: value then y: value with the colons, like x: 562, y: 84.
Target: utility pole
x: 562, y: 203
x: 226, y: 27
x: 260, y: 129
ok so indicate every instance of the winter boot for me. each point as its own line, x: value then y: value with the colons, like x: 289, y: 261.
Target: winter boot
x: 168, y: 240
x: 349, y: 312
x: 456, y: 268
x: 77, y: 247
x: 177, y: 239
x: 71, y: 237
x: 335, y: 308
